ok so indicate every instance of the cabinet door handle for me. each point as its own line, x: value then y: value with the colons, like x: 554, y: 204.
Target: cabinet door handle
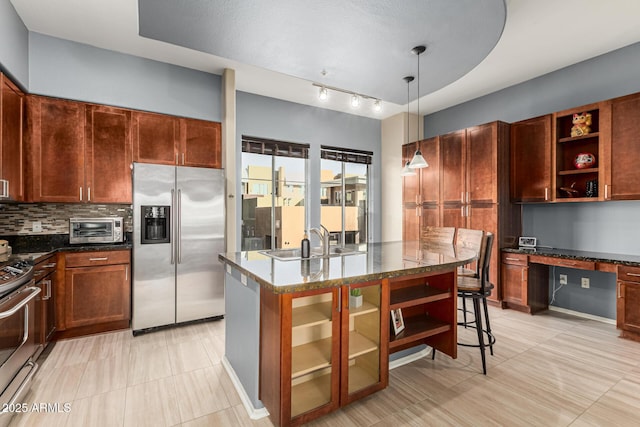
x: 88, y: 194
x: 468, y: 197
x: 462, y: 197
x: 512, y: 259
x: 546, y: 193
x: 182, y: 159
x: 53, y: 264
x: 99, y: 259
x: 177, y: 163
x: 619, y: 293
x: 126, y: 273
x: 80, y: 193
x: 48, y: 294
x: 5, y: 188
x: 633, y: 274
x: 606, y: 191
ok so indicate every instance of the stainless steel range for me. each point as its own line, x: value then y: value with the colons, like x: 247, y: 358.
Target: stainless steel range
x: 17, y: 340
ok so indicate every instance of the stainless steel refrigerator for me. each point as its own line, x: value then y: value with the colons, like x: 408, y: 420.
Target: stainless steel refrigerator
x: 178, y: 232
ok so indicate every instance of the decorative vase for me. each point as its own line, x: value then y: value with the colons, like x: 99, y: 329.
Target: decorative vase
x: 355, y: 302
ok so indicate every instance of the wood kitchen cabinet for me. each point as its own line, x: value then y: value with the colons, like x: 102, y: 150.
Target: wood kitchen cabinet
x: 79, y: 152
x: 318, y: 354
x: 11, y: 138
x: 56, y: 144
x: 515, y: 270
x: 628, y: 302
x: 45, y: 316
x: 571, y: 183
x: 108, y: 155
x: 530, y: 178
x: 622, y: 179
x: 96, y: 292
x: 169, y: 140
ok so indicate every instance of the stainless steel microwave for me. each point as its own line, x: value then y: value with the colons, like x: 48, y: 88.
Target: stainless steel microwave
x: 96, y: 230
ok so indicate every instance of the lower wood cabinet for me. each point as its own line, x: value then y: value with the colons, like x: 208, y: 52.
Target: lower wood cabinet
x: 317, y: 353
x: 45, y: 316
x: 96, y: 290
x: 628, y: 302
x: 515, y: 270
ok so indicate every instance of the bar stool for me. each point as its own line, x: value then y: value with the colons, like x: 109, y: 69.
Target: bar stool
x: 477, y: 289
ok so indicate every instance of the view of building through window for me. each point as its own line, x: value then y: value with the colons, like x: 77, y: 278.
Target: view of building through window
x: 273, y: 199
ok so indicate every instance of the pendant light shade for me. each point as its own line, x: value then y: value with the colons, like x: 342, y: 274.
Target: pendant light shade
x: 418, y: 160
x: 407, y: 171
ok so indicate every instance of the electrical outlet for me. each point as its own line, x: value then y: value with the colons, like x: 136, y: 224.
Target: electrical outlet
x: 36, y: 226
x: 585, y: 282
x: 563, y: 279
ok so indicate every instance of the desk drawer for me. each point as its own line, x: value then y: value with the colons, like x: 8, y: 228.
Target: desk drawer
x: 515, y: 259
x: 88, y: 259
x: 629, y: 274
x: 562, y: 262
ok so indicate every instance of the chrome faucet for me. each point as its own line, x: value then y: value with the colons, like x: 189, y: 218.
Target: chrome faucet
x: 323, y: 235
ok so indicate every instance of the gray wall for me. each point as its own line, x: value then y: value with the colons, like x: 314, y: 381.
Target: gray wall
x: 14, y: 45
x: 596, y: 226
x: 275, y: 119
x: 71, y: 70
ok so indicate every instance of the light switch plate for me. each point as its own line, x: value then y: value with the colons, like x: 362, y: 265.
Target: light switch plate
x: 527, y: 242
x: 243, y: 279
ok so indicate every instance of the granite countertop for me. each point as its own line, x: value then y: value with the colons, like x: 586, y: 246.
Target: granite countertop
x: 33, y: 247
x: 373, y: 261
x: 624, y: 259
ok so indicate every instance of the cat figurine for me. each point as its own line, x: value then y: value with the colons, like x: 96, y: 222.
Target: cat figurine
x: 581, y: 123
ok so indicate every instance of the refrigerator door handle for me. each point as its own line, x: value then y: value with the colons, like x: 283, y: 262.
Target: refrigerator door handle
x: 173, y: 240
x: 179, y: 226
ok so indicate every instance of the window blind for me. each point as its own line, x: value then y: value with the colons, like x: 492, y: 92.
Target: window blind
x: 252, y: 144
x: 346, y: 155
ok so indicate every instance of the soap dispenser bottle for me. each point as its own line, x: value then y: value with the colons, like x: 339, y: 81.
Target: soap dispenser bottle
x: 305, y: 247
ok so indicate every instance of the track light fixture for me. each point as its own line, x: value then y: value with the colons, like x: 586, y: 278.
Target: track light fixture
x: 355, y: 98
x: 323, y: 94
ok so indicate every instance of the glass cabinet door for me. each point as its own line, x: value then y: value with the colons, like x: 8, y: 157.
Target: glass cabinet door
x: 315, y: 350
x: 362, y: 334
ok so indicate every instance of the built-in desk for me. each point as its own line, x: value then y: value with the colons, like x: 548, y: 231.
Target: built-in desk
x: 525, y: 280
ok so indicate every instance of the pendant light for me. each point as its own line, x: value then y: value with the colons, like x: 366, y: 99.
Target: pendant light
x: 406, y: 171
x: 418, y: 161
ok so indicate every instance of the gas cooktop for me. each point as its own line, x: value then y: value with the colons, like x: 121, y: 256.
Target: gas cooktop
x: 13, y: 274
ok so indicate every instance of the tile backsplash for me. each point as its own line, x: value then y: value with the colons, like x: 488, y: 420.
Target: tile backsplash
x: 17, y: 219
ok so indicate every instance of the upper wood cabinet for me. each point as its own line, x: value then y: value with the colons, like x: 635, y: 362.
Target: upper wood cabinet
x: 108, y: 155
x: 622, y: 180
x: 11, y: 133
x: 531, y: 160
x: 169, y: 140
x: 453, y: 173
x: 79, y: 152
x: 56, y: 144
x: 571, y: 182
x: 155, y: 138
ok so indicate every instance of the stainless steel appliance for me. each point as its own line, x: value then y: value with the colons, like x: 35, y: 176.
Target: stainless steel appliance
x: 178, y: 231
x: 17, y: 340
x: 96, y: 230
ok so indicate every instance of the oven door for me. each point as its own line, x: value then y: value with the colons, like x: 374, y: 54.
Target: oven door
x: 91, y: 231
x: 17, y: 343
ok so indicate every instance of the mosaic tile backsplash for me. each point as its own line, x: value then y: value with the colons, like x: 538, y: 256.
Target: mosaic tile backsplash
x: 17, y: 219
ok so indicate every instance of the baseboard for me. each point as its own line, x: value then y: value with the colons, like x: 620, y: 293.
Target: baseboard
x: 583, y: 315
x: 254, y: 413
x: 410, y: 358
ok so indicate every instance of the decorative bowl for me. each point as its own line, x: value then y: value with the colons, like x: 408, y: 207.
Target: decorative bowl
x: 584, y: 161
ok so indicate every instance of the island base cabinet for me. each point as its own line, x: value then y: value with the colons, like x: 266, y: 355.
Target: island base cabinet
x: 317, y: 353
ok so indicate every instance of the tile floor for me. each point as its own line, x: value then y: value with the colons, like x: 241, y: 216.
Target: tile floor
x: 548, y: 370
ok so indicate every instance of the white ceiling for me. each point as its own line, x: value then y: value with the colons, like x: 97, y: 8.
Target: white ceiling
x: 538, y: 37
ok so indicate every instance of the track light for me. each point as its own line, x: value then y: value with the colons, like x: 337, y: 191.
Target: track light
x: 354, y: 100
x: 323, y: 94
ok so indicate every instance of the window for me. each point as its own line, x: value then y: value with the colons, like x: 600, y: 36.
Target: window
x: 273, y: 200
x: 345, y: 172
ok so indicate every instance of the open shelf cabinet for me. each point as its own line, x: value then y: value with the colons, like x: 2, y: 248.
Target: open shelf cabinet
x: 428, y: 305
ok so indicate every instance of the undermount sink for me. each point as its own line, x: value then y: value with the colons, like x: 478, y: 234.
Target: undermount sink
x: 294, y: 254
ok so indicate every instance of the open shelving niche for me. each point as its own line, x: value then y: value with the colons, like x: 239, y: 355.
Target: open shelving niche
x: 428, y: 307
x: 571, y: 182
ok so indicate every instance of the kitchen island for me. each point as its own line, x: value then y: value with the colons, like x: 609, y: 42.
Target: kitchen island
x: 306, y: 336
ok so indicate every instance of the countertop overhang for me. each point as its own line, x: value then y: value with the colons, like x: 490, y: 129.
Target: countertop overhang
x: 374, y: 261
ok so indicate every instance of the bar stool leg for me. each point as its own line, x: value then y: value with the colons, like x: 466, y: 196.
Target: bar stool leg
x: 477, y: 312
x: 486, y: 319
x: 464, y: 311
